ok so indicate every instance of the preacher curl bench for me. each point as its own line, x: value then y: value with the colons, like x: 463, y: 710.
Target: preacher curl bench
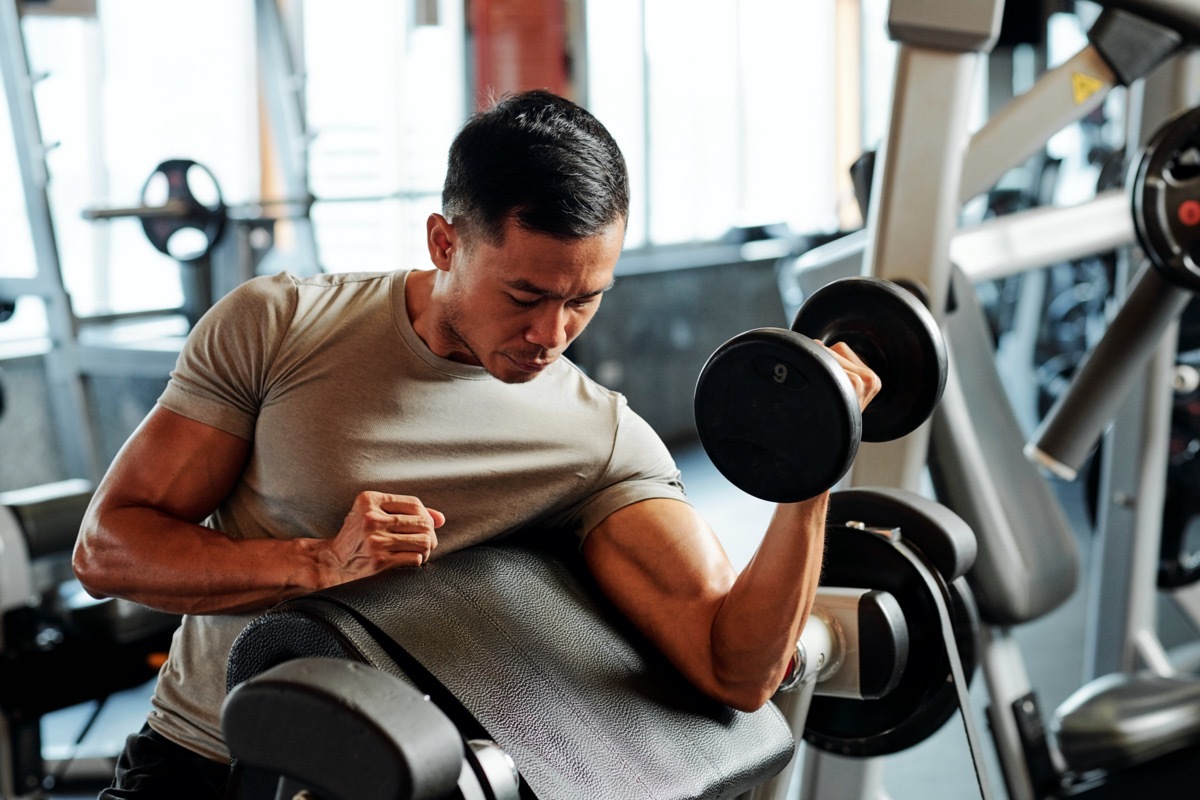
x: 502, y: 672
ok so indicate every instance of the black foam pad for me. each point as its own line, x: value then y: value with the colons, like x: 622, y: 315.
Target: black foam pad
x: 512, y: 644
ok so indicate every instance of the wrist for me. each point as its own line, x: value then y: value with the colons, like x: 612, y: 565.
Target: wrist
x: 315, y: 566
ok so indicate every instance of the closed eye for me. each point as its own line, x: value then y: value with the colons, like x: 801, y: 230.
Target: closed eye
x: 524, y: 303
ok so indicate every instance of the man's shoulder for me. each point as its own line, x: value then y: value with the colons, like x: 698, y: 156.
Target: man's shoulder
x: 329, y: 280
x: 573, y: 380
x: 290, y: 289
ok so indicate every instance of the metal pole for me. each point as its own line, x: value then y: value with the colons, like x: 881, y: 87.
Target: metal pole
x: 283, y: 86
x: 67, y: 397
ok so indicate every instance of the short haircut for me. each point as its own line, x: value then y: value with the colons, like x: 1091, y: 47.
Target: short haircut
x: 541, y: 160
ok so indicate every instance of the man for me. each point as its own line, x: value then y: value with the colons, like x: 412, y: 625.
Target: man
x: 324, y: 429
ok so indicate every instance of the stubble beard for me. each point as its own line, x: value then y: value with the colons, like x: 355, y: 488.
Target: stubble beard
x: 451, y: 332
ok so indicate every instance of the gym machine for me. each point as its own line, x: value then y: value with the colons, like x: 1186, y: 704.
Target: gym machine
x: 1027, y: 564
x: 185, y: 216
x: 59, y: 647
x: 146, y: 344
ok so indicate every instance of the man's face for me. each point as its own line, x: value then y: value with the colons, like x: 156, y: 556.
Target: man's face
x: 514, y: 308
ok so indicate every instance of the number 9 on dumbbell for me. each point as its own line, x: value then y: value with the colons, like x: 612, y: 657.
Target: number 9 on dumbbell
x: 776, y: 412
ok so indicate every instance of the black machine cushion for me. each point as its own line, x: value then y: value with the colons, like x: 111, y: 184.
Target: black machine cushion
x: 517, y: 647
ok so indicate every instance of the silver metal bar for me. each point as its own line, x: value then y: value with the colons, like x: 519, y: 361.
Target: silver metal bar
x: 914, y: 213
x: 1027, y: 240
x: 1061, y: 96
x: 1003, y: 246
x: 172, y: 209
x: 283, y: 87
x: 67, y: 397
x: 27, y: 140
x: 11, y: 288
x: 794, y: 707
x: 1123, y: 594
x: 126, y: 362
x: 1003, y: 669
x: 825, y: 776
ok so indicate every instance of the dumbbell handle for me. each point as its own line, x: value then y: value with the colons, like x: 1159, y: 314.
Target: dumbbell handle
x: 1070, y: 431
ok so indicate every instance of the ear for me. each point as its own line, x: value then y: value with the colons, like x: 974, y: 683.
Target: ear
x: 441, y: 238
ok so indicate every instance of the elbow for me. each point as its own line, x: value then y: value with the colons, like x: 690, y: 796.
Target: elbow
x: 87, y: 561
x: 85, y: 572
x: 746, y: 696
x: 747, y: 701
x: 90, y: 585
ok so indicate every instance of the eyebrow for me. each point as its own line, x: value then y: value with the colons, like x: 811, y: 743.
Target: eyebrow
x: 521, y: 285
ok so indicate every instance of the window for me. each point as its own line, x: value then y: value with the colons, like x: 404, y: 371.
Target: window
x: 382, y: 115
x: 117, y: 94
x: 725, y: 115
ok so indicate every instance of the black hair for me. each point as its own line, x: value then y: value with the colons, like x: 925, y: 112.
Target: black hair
x: 540, y: 159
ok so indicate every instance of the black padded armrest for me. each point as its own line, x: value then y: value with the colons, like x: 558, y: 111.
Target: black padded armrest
x: 544, y: 667
x: 344, y: 728
x: 945, y: 539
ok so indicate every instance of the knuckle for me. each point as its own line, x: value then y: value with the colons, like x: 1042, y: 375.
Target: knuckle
x: 376, y: 518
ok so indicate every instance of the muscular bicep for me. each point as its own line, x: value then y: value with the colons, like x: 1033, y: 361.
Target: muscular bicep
x: 665, y: 570
x: 175, y: 465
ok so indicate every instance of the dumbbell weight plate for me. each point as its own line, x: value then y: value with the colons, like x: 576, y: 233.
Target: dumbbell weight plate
x: 190, y: 234
x: 925, y: 698
x: 777, y: 415
x: 890, y: 329
x: 1165, y: 193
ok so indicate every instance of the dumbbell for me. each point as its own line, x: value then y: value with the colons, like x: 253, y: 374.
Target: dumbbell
x: 778, y: 415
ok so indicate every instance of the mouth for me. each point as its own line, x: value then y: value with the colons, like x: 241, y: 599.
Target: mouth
x: 531, y: 366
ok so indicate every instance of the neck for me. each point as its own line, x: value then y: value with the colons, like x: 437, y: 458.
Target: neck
x: 418, y: 304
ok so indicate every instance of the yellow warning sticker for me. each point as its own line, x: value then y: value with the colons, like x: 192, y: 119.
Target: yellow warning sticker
x: 1084, y: 86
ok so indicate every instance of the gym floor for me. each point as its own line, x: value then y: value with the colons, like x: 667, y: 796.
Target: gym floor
x: 938, y: 769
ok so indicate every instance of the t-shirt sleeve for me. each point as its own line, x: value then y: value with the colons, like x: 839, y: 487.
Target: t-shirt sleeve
x: 223, y: 372
x: 641, y: 468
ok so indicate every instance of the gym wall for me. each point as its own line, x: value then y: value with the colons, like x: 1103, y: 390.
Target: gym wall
x: 30, y: 451
x: 664, y: 318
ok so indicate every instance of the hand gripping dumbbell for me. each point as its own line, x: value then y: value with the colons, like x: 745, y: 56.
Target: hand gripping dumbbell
x: 776, y: 412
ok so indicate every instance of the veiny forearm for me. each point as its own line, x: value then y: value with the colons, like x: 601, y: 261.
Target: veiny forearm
x: 144, y: 555
x: 754, y: 632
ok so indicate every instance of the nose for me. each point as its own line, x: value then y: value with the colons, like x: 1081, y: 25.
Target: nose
x: 548, y: 328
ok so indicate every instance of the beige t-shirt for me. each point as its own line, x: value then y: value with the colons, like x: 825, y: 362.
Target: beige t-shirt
x: 328, y: 379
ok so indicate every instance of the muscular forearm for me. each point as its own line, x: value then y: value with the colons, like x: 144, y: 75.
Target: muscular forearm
x: 148, y: 557
x: 142, y: 553
x: 754, y: 632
